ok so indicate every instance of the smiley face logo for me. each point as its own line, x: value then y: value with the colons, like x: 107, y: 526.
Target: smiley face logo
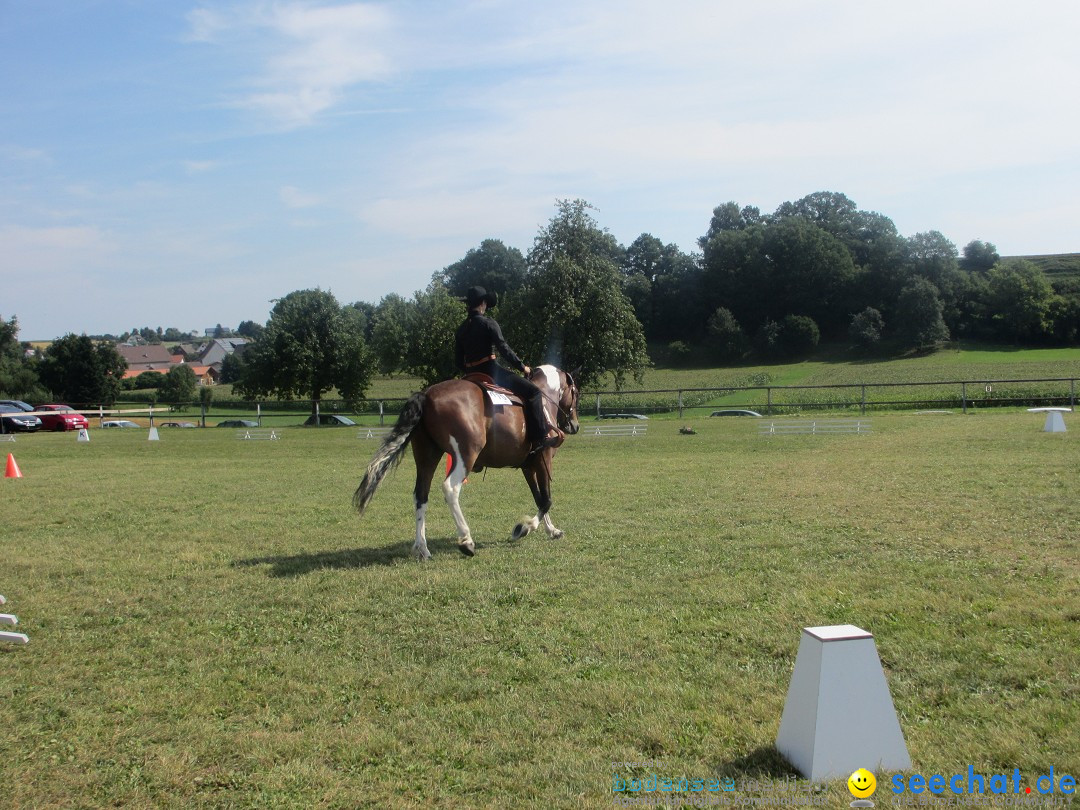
x: 862, y: 784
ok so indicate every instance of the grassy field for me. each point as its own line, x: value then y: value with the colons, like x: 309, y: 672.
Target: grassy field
x: 1057, y: 265
x: 212, y: 626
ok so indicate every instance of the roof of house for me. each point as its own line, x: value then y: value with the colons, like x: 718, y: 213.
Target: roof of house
x: 216, y: 350
x: 135, y: 372
x: 146, y: 356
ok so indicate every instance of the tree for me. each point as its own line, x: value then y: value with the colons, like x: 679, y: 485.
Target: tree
x: 575, y: 234
x: 179, y: 385
x: 572, y: 310
x: 726, y: 338
x: 232, y: 367
x: 432, y: 320
x: 17, y: 377
x: 933, y: 256
x: 866, y: 328
x: 808, y: 270
x: 658, y: 280
x: 81, y: 371
x: 735, y: 273
x: 1021, y: 300
x: 799, y: 335
x: 918, y: 313
x: 644, y: 257
x: 729, y: 217
x: 979, y: 256
x: 639, y: 292
x: 148, y: 379
x: 311, y: 345
x: 767, y: 339
x: 390, y: 333
x: 493, y: 266
x: 250, y: 330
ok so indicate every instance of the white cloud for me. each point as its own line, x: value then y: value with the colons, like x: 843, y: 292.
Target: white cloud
x: 309, y: 55
x: 22, y: 154
x: 193, y: 167
x: 54, y: 249
x: 293, y: 197
x: 478, y: 213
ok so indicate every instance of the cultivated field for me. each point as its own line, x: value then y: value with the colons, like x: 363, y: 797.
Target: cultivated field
x: 212, y: 626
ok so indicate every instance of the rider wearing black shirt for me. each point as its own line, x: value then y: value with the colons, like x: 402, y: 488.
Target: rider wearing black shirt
x: 475, y: 344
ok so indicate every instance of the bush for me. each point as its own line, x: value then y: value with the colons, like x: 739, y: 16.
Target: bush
x: 767, y: 339
x: 678, y: 353
x: 726, y: 340
x: 799, y: 335
x: 866, y: 328
x: 148, y: 379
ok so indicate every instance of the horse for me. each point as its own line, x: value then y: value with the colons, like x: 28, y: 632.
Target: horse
x: 454, y: 417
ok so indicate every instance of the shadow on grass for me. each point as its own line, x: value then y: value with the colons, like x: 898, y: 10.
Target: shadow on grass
x: 295, y: 565
x: 761, y: 763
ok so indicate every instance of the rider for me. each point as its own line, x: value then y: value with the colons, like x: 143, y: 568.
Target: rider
x: 474, y: 351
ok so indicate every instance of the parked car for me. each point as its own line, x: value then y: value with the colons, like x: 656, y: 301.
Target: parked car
x: 18, y: 403
x: 61, y: 417
x: 622, y: 416
x: 330, y: 420
x: 15, y: 419
x: 178, y: 424
x: 240, y: 423
x: 120, y: 423
x: 735, y: 412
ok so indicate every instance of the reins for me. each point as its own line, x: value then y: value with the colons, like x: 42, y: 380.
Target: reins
x: 557, y: 402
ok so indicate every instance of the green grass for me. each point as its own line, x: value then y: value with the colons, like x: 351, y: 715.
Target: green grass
x: 212, y: 626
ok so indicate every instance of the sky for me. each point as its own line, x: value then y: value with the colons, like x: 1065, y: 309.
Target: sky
x: 178, y: 163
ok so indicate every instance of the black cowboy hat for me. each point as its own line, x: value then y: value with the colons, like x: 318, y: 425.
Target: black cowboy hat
x: 475, y: 295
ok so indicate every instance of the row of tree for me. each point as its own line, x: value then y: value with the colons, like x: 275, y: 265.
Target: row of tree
x: 770, y: 285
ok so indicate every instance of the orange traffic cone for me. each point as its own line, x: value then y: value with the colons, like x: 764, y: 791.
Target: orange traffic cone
x: 13, y: 470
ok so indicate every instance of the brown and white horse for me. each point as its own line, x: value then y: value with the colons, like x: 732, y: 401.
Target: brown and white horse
x: 454, y: 417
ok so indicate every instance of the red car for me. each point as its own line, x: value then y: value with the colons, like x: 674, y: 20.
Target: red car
x: 60, y: 417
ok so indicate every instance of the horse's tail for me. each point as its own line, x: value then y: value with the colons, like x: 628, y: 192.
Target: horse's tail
x: 390, y: 453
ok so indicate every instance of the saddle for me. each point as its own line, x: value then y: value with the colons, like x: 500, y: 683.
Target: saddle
x: 496, y: 394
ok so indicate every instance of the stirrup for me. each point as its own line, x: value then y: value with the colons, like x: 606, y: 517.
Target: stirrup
x: 548, y: 441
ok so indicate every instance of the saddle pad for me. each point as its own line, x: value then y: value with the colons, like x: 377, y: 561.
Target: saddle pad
x: 498, y: 398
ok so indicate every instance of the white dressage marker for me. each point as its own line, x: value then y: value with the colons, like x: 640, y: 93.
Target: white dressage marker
x: 1055, y: 422
x: 839, y: 716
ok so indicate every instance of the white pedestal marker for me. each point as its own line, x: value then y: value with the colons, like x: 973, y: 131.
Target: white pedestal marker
x: 839, y: 716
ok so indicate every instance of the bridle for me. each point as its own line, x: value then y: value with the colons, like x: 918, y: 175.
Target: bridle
x: 566, y: 414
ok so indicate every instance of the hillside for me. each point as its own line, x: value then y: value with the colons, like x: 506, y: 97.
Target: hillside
x: 1056, y: 265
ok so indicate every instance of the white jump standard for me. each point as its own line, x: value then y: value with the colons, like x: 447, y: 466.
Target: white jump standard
x: 10, y: 620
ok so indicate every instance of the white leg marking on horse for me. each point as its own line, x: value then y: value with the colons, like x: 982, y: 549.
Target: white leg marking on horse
x: 452, y: 492
x: 420, y: 548
x: 553, y: 533
x: 526, y: 526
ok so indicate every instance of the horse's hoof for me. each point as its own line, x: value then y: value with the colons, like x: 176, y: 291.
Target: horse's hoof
x: 468, y: 549
x: 519, y: 531
x: 557, y: 534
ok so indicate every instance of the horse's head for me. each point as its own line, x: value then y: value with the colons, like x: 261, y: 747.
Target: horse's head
x: 560, y: 390
x: 568, y: 404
